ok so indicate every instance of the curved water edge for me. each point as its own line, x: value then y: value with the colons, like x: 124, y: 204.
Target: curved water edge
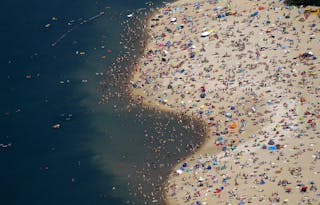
x: 163, y: 142
x: 148, y: 103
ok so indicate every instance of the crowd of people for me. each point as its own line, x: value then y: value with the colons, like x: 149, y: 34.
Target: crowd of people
x: 250, y: 71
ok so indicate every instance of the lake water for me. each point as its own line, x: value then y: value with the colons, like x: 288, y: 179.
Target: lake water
x: 102, y: 153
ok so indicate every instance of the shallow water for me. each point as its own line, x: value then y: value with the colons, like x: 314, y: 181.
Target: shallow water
x: 102, y: 152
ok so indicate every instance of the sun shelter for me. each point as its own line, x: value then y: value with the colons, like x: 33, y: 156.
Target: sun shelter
x: 272, y: 147
x: 205, y: 34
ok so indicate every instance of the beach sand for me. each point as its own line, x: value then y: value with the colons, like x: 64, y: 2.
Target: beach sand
x: 250, y: 71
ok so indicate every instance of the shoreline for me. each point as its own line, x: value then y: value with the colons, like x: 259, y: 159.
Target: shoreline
x: 169, y: 105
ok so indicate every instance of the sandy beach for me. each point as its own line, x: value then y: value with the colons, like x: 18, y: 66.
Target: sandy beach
x: 250, y: 71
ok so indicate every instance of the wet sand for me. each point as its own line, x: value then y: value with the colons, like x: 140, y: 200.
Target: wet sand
x: 250, y: 71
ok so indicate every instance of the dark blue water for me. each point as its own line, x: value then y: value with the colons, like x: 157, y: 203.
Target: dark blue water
x: 101, y: 150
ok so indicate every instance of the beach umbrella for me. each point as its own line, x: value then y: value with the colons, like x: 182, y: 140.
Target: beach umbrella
x: 185, y: 164
x: 233, y: 125
x: 196, y: 5
x: 304, y: 189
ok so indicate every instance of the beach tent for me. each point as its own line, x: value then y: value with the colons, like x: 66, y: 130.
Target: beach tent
x: 205, y: 34
x: 148, y: 80
x: 202, y: 95
x: 272, y: 148
x: 255, y: 14
x: 221, y: 15
x: 201, y: 179
x: 269, y: 102
x: 180, y: 170
x: 168, y: 43
x: 271, y: 142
